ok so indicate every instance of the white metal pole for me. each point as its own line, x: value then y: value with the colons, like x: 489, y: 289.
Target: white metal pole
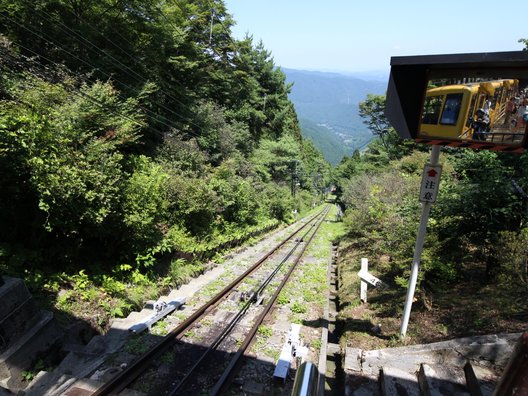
x: 363, y: 287
x: 418, y: 248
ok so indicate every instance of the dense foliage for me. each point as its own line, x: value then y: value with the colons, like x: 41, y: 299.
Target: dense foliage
x: 133, y: 129
x: 479, y: 218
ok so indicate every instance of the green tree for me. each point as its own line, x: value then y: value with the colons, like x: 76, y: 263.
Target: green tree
x: 191, y: 136
x: 65, y: 154
x: 478, y: 202
x: 372, y: 110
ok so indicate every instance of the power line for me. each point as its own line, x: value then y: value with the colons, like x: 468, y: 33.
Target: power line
x: 211, y: 47
x: 139, y: 78
x: 121, y: 49
x: 80, y: 37
x: 228, y: 32
x: 74, y: 91
x: 107, y: 74
x: 149, y: 113
x: 176, y: 29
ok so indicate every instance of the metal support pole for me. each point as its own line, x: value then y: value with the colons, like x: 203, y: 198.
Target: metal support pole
x: 211, y: 30
x: 418, y: 248
x: 294, y: 177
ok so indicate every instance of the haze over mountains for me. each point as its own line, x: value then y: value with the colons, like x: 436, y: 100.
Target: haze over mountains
x: 327, y: 105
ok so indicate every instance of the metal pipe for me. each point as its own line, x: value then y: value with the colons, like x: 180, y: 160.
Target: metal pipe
x: 306, y: 380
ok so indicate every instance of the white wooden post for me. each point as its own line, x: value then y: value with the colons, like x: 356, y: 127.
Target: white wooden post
x: 364, y: 269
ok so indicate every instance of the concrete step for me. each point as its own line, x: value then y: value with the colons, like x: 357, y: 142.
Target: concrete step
x: 86, y: 387
x: 82, y: 361
x: 48, y: 384
x: 398, y: 382
x: 487, y: 354
x: 12, y: 294
x: 18, y: 312
x: 441, y: 380
x: 22, y: 353
x: 486, y: 351
x: 14, y: 325
x: 56, y: 384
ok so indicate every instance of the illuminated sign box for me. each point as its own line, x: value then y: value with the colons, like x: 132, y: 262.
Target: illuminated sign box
x: 462, y: 100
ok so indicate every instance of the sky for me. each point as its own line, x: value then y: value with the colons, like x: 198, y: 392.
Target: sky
x: 357, y: 36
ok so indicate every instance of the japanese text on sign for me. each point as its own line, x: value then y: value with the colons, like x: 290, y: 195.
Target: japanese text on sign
x: 430, y: 182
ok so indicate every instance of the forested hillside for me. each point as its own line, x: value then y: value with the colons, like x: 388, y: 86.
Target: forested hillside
x: 132, y: 131
x: 327, y: 105
x: 473, y: 276
x: 325, y: 139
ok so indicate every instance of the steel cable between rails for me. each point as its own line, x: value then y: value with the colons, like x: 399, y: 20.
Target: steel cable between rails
x: 240, y: 314
x: 227, y: 377
x: 125, y: 377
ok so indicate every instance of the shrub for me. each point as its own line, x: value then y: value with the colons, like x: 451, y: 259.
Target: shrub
x: 511, y: 256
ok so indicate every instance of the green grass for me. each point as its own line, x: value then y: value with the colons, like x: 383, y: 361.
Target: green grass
x: 316, y: 344
x: 160, y: 328
x: 265, y: 331
x: 137, y: 345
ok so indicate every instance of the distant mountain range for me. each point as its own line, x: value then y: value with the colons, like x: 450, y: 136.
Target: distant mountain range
x: 327, y: 105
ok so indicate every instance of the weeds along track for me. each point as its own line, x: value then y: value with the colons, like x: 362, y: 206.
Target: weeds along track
x: 205, y: 350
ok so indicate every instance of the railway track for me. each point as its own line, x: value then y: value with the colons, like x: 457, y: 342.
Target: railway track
x: 229, y: 320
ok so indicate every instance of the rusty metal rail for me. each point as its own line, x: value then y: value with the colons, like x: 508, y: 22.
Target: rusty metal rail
x: 134, y: 370
x: 227, y: 377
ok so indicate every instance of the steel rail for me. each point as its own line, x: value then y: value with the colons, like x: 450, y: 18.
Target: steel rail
x: 225, y: 380
x: 134, y: 370
x: 240, y: 314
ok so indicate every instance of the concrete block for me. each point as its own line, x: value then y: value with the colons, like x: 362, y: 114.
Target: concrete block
x: 21, y: 353
x: 489, y: 350
x: 397, y: 382
x: 333, y: 349
x: 440, y: 380
x: 353, y: 358
x: 480, y: 381
x: 18, y: 322
x: 48, y: 384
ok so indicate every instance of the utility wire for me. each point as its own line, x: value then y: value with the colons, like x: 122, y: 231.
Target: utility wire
x: 73, y: 90
x: 91, y: 65
x: 152, y: 115
x: 123, y: 67
x: 80, y: 38
x: 228, y: 32
x: 141, y: 79
x: 211, y: 47
x: 176, y: 29
x: 155, y: 117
